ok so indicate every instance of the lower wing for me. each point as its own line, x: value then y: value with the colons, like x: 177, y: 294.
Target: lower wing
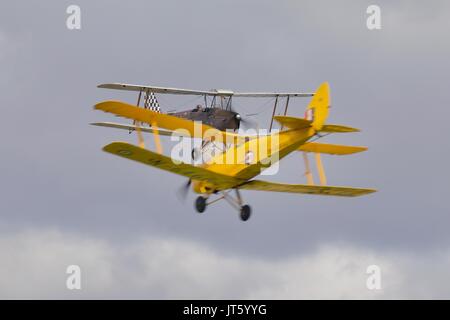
x: 131, y: 128
x: 305, y: 189
x: 129, y: 151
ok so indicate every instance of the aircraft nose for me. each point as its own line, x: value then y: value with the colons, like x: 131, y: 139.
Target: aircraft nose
x: 202, y: 187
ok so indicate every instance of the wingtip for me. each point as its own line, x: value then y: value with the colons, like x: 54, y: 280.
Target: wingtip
x: 115, y: 144
x: 102, y: 105
x: 97, y: 105
x: 106, y: 85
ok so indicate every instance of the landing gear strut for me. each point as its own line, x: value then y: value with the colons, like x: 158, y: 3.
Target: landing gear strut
x: 244, y: 210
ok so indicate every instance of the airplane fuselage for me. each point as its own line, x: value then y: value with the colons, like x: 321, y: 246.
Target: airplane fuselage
x: 233, y: 162
x: 218, y: 118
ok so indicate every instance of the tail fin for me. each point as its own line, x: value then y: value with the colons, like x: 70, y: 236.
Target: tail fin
x: 317, y: 110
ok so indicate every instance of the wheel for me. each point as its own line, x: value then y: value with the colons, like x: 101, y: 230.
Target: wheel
x: 200, y: 204
x: 246, y: 211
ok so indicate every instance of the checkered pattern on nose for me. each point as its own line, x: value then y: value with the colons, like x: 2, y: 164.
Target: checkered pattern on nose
x: 151, y: 102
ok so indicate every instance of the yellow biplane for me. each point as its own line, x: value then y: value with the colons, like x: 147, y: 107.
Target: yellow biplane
x: 241, y: 160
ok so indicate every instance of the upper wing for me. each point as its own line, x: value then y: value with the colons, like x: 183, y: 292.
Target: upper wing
x: 272, y: 94
x: 134, y: 87
x: 306, y: 189
x: 129, y: 151
x: 169, y: 122
x: 335, y: 149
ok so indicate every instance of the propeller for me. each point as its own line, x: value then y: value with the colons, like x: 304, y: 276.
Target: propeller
x: 183, y: 190
x: 245, y: 121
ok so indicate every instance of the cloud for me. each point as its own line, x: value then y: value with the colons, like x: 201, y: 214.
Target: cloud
x: 34, y: 264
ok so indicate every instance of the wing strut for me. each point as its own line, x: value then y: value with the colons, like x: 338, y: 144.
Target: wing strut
x: 321, y: 170
x: 156, y: 137
x: 285, y: 109
x: 137, y: 103
x: 308, y: 173
x: 273, y: 113
x: 154, y: 125
x: 138, y: 125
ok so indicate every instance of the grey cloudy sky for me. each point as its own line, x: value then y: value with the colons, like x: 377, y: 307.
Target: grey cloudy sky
x: 64, y: 201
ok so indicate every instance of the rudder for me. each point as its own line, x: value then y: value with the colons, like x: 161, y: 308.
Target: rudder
x: 317, y: 110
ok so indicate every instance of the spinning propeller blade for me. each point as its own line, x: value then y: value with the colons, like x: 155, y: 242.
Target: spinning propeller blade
x: 183, y: 190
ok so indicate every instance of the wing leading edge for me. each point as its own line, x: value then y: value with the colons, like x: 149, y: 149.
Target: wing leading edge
x: 129, y: 151
x: 166, y: 90
x: 328, y: 148
x: 305, y: 189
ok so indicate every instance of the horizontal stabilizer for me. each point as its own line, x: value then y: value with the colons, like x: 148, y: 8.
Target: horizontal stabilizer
x: 129, y: 151
x: 327, y: 148
x: 293, y: 122
x: 305, y: 189
x: 338, y: 128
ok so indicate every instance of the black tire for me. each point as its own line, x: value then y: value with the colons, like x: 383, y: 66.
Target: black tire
x: 200, y: 204
x: 246, y: 212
